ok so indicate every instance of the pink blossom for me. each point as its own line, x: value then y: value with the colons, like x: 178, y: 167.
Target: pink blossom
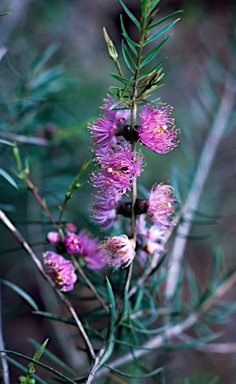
x: 71, y: 227
x: 72, y: 243
x: 53, y: 238
x: 119, y: 166
x: 90, y: 251
x: 150, y: 240
x: 103, y: 132
x: 162, y: 205
x: 119, y: 114
x: 61, y: 270
x: 157, y: 130
x: 121, y: 251
x: 104, y: 208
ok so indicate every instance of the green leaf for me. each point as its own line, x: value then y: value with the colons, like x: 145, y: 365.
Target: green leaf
x: 54, y: 371
x: 164, y: 19
x: 150, y: 55
x: 131, y: 43
x: 160, y: 32
x: 47, y: 54
x: 124, y: 307
x: 2, y: 141
x: 112, y: 309
x: 21, y: 293
x: 8, y: 178
x: 132, y: 17
x: 140, y: 376
x: 24, y: 370
x: 119, y: 78
x: 53, y: 358
x: 127, y: 58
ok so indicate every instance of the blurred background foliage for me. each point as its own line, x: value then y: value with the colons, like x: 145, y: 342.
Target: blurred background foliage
x: 54, y: 75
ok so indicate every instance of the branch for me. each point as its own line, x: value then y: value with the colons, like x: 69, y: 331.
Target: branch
x: 203, y: 168
x: 40, y: 268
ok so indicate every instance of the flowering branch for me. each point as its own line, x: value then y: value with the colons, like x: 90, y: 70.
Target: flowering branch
x: 40, y: 268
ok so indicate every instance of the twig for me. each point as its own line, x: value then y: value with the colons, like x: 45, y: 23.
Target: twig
x: 39, y: 266
x: 203, y: 168
x: 174, y: 330
x: 5, y: 370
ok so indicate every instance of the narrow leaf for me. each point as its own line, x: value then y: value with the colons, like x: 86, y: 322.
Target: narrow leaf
x: 21, y: 293
x: 119, y: 78
x: 132, y: 17
x: 2, y: 141
x: 124, y: 307
x: 54, y: 371
x: 140, y: 376
x: 131, y: 43
x: 24, y: 370
x: 150, y: 55
x: 8, y: 178
x: 47, y: 54
x: 127, y: 58
x: 164, y: 19
x: 161, y: 31
x: 112, y: 309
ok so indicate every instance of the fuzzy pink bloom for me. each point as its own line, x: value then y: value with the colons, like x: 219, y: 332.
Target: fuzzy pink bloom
x: 90, y: 251
x: 72, y: 243
x: 119, y: 114
x: 71, y: 227
x: 104, y: 208
x: 61, y: 270
x: 119, y: 166
x: 121, y: 251
x: 53, y: 238
x: 103, y: 132
x: 157, y: 130
x: 151, y: 240
x: 162, y: 205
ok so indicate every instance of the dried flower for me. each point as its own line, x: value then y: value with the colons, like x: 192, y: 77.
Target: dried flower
x: 119, y: 166
x: 121, y: 251
x: 104, y: 208
x: 61, y: 270
x: 162, y: 205
x: 157, y: 130
x: 90, y: 251
x: 72, y: 243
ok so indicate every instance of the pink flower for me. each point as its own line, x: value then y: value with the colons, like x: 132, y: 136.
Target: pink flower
x: 103, y: 132
x: 157, y: 130
x: 119, y: 166
x: 61, y: 270
x: 71, y: 227
x: 119, y: 114
x: 162, y: 205
x: 90, y: 251
x: 53, y: 238
x: 121, y: 251
x: 104, y: 208
x: 72, y: 243
x: 150, y: 240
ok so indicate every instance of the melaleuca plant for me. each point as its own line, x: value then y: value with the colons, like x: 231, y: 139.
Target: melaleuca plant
x: 123, y: 271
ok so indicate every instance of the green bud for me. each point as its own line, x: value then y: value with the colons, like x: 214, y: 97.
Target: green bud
x: 111, y: 48
x: 21, y: 379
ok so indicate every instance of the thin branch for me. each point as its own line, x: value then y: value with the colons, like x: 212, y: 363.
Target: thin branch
x: 174, y: 330
x: 5, y: 370
x: 40, y: 268
x: 203, y: 168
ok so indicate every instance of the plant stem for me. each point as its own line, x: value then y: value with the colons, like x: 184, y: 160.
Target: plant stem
x: 40, y: 268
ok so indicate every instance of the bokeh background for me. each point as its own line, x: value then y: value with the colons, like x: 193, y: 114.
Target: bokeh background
x: 201, y: 48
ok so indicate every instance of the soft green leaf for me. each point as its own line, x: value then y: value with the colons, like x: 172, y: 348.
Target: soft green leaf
x: 127, y: 58
x: 8, y: 178
x: 132, y: 17
x: 112, y: 309
x: 132, y: 44
x: 119, y: 78
x: 24, y: 370
x: 2, y: 141
x: 140, y: 376
x: 150, y: 55
x: 21, y: 293
x: 54, y: 371
x: 160, y: 32
x: 164, y: 19
x: 53, y: 358
x: 46, y: 55
x: 40, y: 350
